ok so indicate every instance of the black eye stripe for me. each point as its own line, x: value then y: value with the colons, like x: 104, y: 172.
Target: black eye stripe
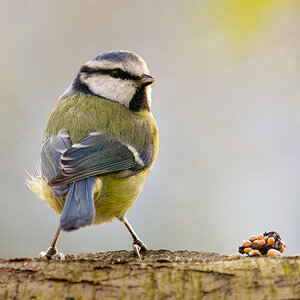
x: 120, y: 74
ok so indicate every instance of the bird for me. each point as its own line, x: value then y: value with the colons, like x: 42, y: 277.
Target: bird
x: 99, y: 145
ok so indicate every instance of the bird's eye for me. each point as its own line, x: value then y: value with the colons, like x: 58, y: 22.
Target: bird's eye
x: 116, y: 73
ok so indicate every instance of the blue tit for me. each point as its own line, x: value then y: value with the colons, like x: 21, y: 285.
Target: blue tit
x: 99, y: 145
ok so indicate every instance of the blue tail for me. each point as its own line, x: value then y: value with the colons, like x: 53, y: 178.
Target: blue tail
x: 79, y: 208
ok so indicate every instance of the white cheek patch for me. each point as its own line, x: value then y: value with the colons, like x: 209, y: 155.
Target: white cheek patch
x: 148, y: 94
x: 114, y: 89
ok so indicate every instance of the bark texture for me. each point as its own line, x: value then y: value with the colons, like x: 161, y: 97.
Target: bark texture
x: 160, y: 275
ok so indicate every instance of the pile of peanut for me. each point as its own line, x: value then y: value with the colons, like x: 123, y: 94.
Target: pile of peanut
x: 269, y: 244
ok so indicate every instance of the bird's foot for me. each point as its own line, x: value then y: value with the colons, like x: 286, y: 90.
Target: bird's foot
x: 138, y: 247
x: 52, y: 253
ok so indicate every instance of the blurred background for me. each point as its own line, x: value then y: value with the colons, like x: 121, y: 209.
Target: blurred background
x: 226, y: 100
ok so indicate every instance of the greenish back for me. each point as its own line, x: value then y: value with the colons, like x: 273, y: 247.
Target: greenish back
x: 83, y: 114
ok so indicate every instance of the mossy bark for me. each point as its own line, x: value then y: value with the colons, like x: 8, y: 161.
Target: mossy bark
x: 159, y: 275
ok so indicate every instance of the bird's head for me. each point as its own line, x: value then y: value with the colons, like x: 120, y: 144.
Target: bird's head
x: 119, y: 76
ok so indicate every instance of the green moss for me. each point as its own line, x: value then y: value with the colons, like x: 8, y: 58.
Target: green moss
x: 287, y: 269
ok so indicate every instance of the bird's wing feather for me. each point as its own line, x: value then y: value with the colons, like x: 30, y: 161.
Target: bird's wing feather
x: 51, y: 152
x: 98, y: 154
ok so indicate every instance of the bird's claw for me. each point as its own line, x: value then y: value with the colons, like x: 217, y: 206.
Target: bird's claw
x: 136, y: 249
x: 138, y: 246
x: 52, y: 253
x: 59, y: 256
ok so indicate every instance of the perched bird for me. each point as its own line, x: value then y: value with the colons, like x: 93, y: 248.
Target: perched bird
x: 100, y: 143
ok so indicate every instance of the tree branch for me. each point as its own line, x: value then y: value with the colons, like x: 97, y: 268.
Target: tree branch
x: 160, y: 275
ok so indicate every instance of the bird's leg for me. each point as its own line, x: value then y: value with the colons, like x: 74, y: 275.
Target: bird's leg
x: 138, y: 245
x: 52, y: 252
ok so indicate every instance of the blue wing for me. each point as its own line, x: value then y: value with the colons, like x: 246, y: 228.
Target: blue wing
x: 98, y: 154
x: 79, y: 208
x: 70, y: 170
x: 51, y: 152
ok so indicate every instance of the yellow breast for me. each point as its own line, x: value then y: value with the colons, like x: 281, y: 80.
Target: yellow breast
x: 115, y: 196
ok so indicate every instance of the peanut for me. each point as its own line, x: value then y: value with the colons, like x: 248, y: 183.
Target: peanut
x: 254, y: 253
x: 260, y: 236
x: 273, y: 253
x: 246, y: 243
x: 261, y: 242
x: 247, y: 250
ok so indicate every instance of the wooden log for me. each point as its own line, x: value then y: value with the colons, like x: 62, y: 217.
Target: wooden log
x: 160, y: 274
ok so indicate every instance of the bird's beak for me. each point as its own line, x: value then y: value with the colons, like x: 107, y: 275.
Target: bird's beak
x: 146, y: 80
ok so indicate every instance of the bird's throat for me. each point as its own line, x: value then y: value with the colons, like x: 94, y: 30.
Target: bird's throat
x: 140, y: 101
